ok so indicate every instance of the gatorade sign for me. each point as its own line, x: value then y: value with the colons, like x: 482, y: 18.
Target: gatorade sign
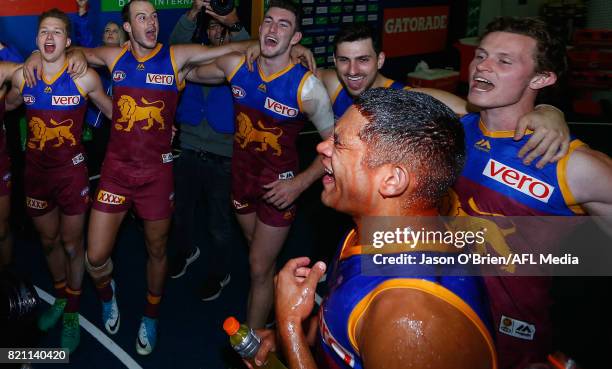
x: 35, y: 7
x: 410, y: 31
x: 117, y: 5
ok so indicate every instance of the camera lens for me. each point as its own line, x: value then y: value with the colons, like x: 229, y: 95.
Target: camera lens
x: 222, y: 7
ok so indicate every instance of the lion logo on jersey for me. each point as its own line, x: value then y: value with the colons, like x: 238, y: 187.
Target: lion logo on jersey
x: 41, y: 133
x: 248, y: 133
x: 131, y: 113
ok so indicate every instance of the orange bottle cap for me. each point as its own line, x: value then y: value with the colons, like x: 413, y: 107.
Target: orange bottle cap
x: 231, y: 326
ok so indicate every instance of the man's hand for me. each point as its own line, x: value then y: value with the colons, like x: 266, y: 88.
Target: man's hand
x: 82, y: 5
x: 550, y: 138
x: 252, y: 53
x: 283, y: 192
x: 32, y: 69
x: 77, y: 63
x: 267, y: 345
x: 301, y: 54
x: 227, y: 20
x: 196, y: 7
x: 295, y: 287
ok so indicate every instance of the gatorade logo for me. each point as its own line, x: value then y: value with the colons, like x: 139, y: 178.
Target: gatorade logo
x: 281, y: 109
x: 518, y: 181
x: 160, y: 79
x: 29, y: 99
x: 36, y: 204
x: 110, y: 198
x: 330, y: 341
x: 65, y: 100
x: 118, y: 75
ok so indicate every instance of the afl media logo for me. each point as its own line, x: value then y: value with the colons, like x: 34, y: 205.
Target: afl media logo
x: 29, y: 99
x: 118, y: 76
x: 238, y: 92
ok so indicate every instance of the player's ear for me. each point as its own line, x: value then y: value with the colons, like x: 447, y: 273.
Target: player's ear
x: 543, y: 79
x: 68, y: 42
x: 380, y: 60
x: 127, y: 27
x: 395, y: 180
x: 297, y: 36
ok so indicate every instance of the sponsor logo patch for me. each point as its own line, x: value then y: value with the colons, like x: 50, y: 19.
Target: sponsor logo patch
x: 29, y: 99
x: 36, y: 204
x: 167, y: 158
x: 281, y: 109
x: 48, y: 90
x: 238, y: 205
x: 79, y: 158
x: 85, y: 191
x: 119, y: 75
x: 6, y: 177
x: 516, y: 328
x: 262, y: 87
x: 65, y: 100
x: 286, y: 175
x: 238, y: 92
x: 140, y: 67
x: 110, y: 198
x: 483, y: 145
x: 160, y: 79
x: 518, y: 180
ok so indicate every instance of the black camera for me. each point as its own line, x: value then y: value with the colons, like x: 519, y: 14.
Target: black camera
x: 222, y: 7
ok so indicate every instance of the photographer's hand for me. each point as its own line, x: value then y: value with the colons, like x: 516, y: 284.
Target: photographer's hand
x: 227, y: 20
x: 196, y: 7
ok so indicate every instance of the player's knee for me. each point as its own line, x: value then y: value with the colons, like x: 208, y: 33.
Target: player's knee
x: 99, y: 271
x: 157, y: 253
x: 261, y: 268
x: 73, y: 250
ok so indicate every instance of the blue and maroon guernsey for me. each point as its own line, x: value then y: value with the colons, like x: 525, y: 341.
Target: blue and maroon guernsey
x: 145, y: 96
x: 350, y: 291
x: 55, y: 110
x: 342, y: 100
x: 268, y: 116
x: 496, y: 182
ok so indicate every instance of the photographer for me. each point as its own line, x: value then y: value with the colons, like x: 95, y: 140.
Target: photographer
x: 203, y: 170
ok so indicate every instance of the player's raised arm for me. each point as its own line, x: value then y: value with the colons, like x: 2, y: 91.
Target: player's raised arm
x: 92, y: 85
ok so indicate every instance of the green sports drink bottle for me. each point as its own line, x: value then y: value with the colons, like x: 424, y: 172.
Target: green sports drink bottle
x: 246, y: 343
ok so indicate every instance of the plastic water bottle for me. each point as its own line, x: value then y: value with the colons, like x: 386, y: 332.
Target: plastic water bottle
x: 246, y: 343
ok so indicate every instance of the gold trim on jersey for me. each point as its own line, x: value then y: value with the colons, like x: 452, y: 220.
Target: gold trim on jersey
x: 56, y: 75
x: 497, y: 134
x: 428, y: 287
x: 568, y: 197
x: 149, y: 55
x: 179, y: 85
x: 336, y: 93
x: 112, y: 65
x: 273, y: 76
x: 235, y: 70
x: 299, y: 90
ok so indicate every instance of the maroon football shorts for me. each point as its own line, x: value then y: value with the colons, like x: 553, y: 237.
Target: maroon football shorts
x: 247, y: 192
x: 66, y: 188
x: 150, y: 192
